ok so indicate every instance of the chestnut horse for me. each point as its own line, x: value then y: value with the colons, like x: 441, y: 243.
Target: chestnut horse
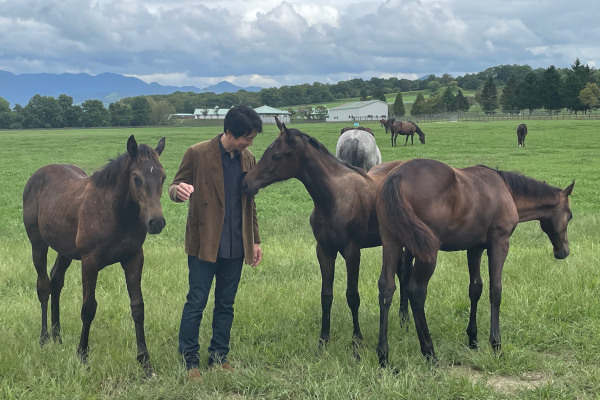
x: 100, y: 219
x: 405, y: 128
x: 521, y: 133
x: 426, y: 206
x: 343, y: 219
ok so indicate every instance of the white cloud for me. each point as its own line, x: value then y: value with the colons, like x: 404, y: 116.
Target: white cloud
x: 275, y: 42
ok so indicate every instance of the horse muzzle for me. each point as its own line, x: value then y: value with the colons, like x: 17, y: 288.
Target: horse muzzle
x: 156, y: 225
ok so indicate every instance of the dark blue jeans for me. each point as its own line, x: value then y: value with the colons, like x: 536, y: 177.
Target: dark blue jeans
x: 226, y: 273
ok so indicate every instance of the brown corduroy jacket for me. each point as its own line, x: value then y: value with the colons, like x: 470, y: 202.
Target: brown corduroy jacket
x: 202, y: 168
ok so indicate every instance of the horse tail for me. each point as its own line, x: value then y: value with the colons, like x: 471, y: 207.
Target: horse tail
x: 412, y: 232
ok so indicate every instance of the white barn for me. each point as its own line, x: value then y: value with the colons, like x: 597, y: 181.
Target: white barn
x: 359, y: 111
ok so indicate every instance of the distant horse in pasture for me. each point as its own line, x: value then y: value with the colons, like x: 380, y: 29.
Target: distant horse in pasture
x: 521, y: 133
x: 100, y: 219
x: 387, y: 123
x: 426, y: 206
x: 343, y: 219
x: 358, y: 148
x: 408, y: 129
x: 362, y: 128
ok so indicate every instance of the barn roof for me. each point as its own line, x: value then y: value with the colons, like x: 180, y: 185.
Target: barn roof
x: 267, y: 110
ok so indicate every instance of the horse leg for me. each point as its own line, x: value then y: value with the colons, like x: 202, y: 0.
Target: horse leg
x: 497, y: 253
x: 475, y: 288
x: 417, y: 293
x: 57, y: 279
x: 39, y: 250
x: 406, y: 141
x: 352, y: 256
x: 326, y: 259
x: 89, y: 277
x: 403, y: 272
x: 133, y: 277
x: 392, y: 255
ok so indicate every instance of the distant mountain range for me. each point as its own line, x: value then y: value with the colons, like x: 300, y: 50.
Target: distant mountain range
x: 106, y: 87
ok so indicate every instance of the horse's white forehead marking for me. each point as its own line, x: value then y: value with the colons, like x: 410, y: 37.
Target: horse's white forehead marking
x: 151, y: 169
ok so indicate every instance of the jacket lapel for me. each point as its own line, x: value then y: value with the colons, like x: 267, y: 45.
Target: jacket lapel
x: 216, y: 166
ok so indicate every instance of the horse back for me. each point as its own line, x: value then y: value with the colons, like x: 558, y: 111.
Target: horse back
x: 51, y: 203
x: 462, y: 207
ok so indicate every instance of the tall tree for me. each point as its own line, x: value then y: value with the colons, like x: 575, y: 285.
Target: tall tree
x: 489, y: 96
x: 528, y: 92
x: 399, y: 110
x: 71, y: 115
x: 590, y: 95
x: 550, y: 89
x: 121, y: 114
x: 448, y: 100
x: 509, y: 100
x: 42, y: 112
x: 461, y: 102
x: 94, y: 114
x: 141, y: 111
x: 418, y: 106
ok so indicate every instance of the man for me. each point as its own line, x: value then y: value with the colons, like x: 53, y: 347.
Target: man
x: 221, y: 232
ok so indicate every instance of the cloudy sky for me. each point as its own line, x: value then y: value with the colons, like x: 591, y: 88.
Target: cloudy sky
x: 269, y: 43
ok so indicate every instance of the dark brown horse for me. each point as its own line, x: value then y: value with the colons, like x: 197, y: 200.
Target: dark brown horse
x: 387, y: 123
x: 100, y: 219
x: 360, y: 128
x: 426, y: 206
x: 343, y: 219
x: 521, y: 133
x: 408, y: 129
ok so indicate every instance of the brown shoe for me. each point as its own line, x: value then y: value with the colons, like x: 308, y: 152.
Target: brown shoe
x: 194, y: 375
x: 226, y: 366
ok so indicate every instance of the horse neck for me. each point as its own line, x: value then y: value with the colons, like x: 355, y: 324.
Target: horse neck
x: 533, y: 208
x: 318, y: 175
x: 534, y: 200
x: 114, y: 182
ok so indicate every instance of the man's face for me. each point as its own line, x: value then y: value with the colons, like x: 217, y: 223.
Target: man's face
x: 242, y: 142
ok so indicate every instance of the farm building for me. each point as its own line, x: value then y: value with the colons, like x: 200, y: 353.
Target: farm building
x: 268, y: 114
x: 214, y: 113
x: 358, y: 111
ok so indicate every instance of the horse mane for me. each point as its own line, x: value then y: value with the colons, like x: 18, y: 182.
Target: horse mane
x: 109, y: 174
x: 522, y: 185
x: 322, y: 149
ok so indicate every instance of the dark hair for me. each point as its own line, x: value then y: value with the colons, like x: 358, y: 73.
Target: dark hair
x: 242, y: 120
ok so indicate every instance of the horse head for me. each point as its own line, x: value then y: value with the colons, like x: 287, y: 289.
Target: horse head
x: 279, y: 162
x: 146, y: 179
x: 555, y: 224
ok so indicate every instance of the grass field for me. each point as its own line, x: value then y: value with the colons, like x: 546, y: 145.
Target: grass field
x: 550, y: 313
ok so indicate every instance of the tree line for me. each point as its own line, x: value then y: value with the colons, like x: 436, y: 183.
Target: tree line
x: 502, y: 87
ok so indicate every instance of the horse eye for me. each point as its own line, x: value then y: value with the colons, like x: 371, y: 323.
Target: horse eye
x: 137, y: 180
x: 276, y: 157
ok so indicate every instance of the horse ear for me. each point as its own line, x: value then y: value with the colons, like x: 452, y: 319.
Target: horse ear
x: 132, y: 146
x: 160, y: 146
x: 279, y: 124
x: 569, y: 189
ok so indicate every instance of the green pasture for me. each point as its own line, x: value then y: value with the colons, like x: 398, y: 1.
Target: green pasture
x: 550, y: 313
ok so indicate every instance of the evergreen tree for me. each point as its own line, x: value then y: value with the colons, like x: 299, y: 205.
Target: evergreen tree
x: 448, y: 100
x: 418, y: 105
x: 508, y: 99
x: 550, y: 89
x: 528, y: 92
x: 489, y: 96
x: 399, y: 110
x: 461, y: 103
